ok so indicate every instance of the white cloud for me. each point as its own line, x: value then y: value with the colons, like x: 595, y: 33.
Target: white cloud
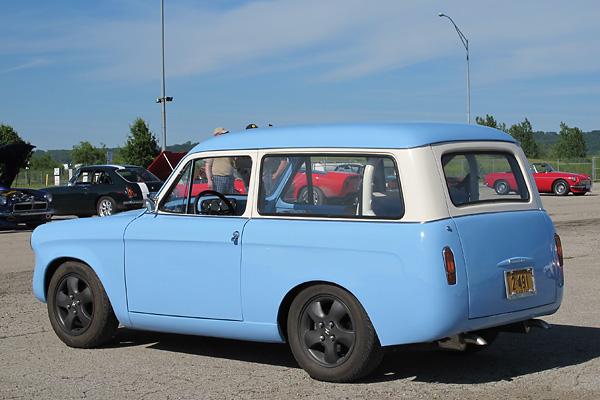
x: 343, y: 39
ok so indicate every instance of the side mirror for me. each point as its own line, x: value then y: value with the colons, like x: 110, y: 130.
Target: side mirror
x: 150, y: 205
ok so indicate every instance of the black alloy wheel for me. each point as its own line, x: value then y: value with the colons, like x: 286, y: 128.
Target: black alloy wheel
x: 331, y: 335
x: 78, y: 307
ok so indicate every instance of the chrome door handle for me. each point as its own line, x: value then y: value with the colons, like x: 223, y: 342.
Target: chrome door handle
x: 235, y: 237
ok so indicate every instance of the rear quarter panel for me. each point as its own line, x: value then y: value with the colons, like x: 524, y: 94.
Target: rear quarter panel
x: 395, y: 270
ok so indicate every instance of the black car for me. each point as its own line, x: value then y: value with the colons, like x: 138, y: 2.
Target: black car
x: 104, y: 190
x: 27, y: 206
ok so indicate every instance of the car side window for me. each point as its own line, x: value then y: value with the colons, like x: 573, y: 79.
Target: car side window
x: 210, y: 186
x: 84, y: 177
x: 313, y: 186
x: 101, y: 178
x: 482, y: 177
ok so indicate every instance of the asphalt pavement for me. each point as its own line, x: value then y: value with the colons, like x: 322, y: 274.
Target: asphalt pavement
x: 560, y: 363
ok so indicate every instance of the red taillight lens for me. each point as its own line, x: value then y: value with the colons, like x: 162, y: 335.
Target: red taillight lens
x: 450, y: 266
x: 130, y: 192
x: 559, y: 250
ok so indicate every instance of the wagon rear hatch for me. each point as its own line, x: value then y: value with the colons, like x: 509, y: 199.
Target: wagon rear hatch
x: 509, y: 261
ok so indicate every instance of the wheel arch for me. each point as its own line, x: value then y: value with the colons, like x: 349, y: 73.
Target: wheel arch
x: 53, y: 266
x: 116, y: 296
x: 284, y: 307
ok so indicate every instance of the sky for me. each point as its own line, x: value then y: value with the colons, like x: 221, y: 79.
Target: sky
x: 73, y: 71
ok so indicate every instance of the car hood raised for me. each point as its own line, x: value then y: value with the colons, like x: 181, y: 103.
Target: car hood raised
x: 12, y: 157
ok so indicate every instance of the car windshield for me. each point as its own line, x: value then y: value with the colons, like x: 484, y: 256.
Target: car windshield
x: 541, y: 168
x: 137, y: 175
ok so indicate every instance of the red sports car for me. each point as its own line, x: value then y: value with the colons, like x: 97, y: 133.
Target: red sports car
x: 547, y: 180
x: 328, y: 186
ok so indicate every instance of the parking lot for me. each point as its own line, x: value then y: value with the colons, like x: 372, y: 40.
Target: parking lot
x: 560, y: 363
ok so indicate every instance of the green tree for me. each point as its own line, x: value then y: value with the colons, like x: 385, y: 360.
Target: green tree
x: 42, y: 163
x: 8, y: 135
x: 141, y: 147
x: 571, y: 143
x: 491, y: 122
x: 87, y: 154
x: 523, y: 132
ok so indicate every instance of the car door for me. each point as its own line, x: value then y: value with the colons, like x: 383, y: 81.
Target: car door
x: 183, y: 263
x: 76, y: 197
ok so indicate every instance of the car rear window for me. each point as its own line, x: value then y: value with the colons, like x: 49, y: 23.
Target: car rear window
x: 475, y: 177
x: 310, y: 186
x: 137, y: 175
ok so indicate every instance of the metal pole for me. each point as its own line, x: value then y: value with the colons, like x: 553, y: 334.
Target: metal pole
x: 465, y: 43
x: 163, y: 102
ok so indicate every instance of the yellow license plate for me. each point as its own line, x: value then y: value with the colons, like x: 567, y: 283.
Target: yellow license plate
x: 519, y: 283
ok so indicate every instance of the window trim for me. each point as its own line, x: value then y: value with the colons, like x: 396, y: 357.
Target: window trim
x: 512, y: 160
x: 193, y: 158
x: 324, y: 153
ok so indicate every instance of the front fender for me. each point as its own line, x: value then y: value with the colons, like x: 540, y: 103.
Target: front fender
x: 96, y: 242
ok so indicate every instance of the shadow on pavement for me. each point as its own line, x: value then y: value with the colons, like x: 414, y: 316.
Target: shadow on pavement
x: 265, y: 353
x: 510, y: 356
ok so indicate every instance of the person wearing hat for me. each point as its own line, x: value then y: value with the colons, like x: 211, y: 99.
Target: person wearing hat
x: 220, y: 131
x: 220, y: 173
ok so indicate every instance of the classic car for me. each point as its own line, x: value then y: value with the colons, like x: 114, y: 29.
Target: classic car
x: 328, y: 186
x: 449, y: 264
x: 104, y: 190
x: 165, y: 163
x: 200, y: 184
x: 546, y: 179
x: 354, y: 168
x: 27, y: 206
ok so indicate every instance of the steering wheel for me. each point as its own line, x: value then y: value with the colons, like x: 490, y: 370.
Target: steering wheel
x: 230, y: 208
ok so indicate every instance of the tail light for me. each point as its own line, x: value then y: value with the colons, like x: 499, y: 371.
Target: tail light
x: 450, y: 266
x: 559, y: 250
x: 130, y: 192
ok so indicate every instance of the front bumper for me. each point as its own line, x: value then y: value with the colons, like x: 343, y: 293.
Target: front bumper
x: 25, y: 216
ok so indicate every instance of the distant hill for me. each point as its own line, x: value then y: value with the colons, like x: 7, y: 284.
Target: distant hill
x: 549, y: 139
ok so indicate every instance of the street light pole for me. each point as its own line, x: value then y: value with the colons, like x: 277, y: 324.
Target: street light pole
x: 465, y: 43
x: 163, y: 99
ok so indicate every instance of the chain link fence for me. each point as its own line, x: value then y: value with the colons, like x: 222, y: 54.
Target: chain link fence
x: 44, y: 178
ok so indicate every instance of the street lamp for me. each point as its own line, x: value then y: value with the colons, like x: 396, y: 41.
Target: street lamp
x: 163, y: 99
x: 465, y: 42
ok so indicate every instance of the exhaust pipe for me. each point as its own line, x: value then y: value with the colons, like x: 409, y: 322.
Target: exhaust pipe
x: 460, y: 342
x: 525, y: 326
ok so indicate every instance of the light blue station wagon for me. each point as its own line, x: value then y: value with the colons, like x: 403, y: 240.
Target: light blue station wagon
x: 256, y: 237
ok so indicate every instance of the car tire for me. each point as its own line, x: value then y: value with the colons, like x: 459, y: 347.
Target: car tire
x: 106, y: 206
x: 502, y: 187
x: 78, y: 307
x: 318, y: 196
x: 331, y: 335
x: 560, y: 188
